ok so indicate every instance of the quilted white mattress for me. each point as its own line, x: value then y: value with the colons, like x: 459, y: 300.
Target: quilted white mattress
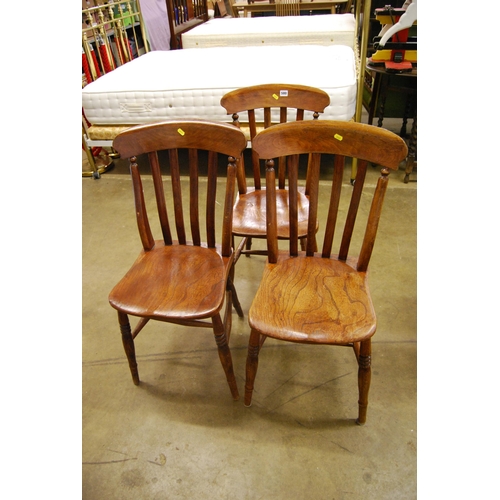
x: 326, y: 29
x: 189, y: 83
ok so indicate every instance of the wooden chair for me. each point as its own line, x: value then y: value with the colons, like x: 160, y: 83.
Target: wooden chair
x: 322, y: 298
x: 287, y: 7
x: 178, y: 281
x: 284, y: 100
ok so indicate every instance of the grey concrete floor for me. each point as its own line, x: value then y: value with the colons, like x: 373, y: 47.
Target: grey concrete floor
x: 179, y: 435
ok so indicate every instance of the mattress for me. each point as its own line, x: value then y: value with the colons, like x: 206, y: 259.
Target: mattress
x: 190, y: 83
x: 327, y: 29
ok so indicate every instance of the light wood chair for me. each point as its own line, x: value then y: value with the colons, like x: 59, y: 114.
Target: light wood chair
x: 322, y: 298
x: 286, y: 101
x: 287, y: 7
x: 177, y: 280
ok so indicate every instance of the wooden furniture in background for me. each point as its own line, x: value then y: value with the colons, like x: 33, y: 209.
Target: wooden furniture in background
x: 393, y: 95
x: 334, y: 6
x: 287, y: 7
x: 184, y: 15
x: 321, y: 298
x: 249, y: 219
x: 179, y: 281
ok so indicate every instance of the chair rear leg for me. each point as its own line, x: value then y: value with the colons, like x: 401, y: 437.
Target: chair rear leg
x: 225, y: 355
x: 254, y: 346
x: 128, y: 345
x: 234, y: 295
x: 364, y: 378
x: 248, y: 244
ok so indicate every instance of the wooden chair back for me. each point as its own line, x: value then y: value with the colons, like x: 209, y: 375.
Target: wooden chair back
x: 287, y: 8
x: 201, y: 141
x: 267, y: 105
x: 315, y: 139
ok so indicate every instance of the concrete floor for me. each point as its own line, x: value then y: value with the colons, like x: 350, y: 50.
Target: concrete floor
x: 179, y: 435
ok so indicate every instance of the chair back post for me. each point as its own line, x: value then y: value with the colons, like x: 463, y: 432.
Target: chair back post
x: 271, y: 220
x: 140, y: 207
x: 373, y: 221
x: 227, y: 224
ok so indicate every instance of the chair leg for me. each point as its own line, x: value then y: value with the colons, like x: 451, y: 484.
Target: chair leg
x: 225, y: 355
x: 248, y: 244
x: 254, y: 346
x: 364, y: 378
x: 234, y: 295
x: 128, y: 344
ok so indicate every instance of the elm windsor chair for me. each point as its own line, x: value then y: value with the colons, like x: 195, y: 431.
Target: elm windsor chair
x: 178, y: 281
x: 321, y: 298
x: 249, y: 219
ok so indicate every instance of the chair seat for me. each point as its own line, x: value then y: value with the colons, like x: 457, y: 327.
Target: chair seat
x: 313, y: 300
x: 249, y: 214
x: 173, y: 282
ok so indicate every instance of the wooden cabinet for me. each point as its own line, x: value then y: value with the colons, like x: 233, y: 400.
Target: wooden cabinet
x: 184, y: 15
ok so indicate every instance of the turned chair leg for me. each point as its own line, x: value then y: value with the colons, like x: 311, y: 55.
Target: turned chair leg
x: 128, y: 345
x: 225, y: 355
x: 364, y: 378
x: 254, y: 346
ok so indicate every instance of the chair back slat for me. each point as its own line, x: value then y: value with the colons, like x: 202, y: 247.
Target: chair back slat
x: 284, y: 115
x: 177, y: 195
x: 194, y: 206
x: 201, y: 141
x: 211, y: 198
x: 333, y: 209
x: 293, y: 168
x: 267, y: 117
x: 160, y: 197
x: 313, y: 175
x: 314, y: 140
x: 353, y: 210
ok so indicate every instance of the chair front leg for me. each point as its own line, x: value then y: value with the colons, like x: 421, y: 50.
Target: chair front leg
x: 128, y: 345
x: 254, y: 345
x: 364, y: 378
x: 225, y: 355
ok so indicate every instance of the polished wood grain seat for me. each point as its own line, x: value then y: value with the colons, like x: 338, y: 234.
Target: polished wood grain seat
x: 183, y: 280
x: 322, y: 297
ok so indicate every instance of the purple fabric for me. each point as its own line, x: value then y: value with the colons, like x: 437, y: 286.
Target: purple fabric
x: 154, y: 13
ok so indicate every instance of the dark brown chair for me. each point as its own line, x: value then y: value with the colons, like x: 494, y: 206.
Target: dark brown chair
x: 322, y: 298
x: 179, y: 281
x: 266, y: 105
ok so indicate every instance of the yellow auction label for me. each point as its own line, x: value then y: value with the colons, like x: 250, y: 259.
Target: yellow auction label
x: 181, y: 132
x: 338, y: 137
x: 275, y: 96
